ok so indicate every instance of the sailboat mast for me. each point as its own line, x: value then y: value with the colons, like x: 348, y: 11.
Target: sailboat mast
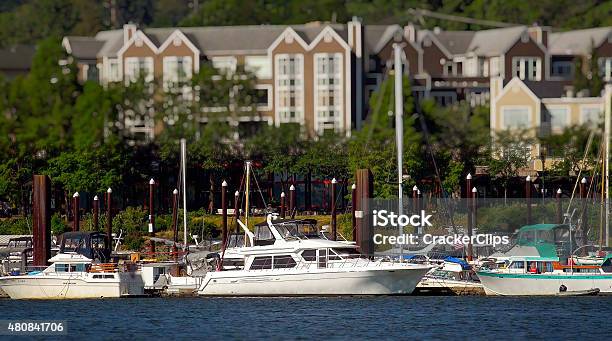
x: 399, y: 130
x: 607, y: 114
x: 184, y: 173
x: 247, y: 192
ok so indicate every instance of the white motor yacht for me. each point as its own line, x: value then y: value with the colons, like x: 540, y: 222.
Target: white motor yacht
x: 281, y: 260
x: 77, y: 271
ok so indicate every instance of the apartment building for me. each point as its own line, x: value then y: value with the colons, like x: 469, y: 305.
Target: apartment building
x: 321, y: 75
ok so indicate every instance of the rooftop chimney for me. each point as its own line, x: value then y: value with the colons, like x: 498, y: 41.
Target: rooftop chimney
x: 128, y: 32
x: 539, y: 34
x: 410, y: 32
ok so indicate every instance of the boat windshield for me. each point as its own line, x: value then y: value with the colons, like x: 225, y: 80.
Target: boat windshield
x: 297, y: 230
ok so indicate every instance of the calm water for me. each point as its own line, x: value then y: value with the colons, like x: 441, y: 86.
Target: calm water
x: 326, y: 318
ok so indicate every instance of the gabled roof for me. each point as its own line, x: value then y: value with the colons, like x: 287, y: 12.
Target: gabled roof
x: 83, y: 47
x: 373, y: 34
x: 495, y: 41
x: 216, y: 40
x: 486, y: 43
x: 577, y: 42
x: 18, y: 57
x: 456, y: 42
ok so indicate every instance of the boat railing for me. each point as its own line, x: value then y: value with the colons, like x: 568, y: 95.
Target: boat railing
x: 343, y: 263
x: 103, y: 267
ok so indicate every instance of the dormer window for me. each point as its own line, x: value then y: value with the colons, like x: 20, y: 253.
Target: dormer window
x: 527, y: 68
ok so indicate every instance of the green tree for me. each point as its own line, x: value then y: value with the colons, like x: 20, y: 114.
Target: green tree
x: 509, y: 152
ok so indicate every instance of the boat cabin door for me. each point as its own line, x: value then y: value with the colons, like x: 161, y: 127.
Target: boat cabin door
x: 322, y: 258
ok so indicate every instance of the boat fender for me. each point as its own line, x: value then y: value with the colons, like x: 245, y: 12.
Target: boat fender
x: 562, y: 288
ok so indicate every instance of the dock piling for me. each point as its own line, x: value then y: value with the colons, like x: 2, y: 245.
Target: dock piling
x: 109, y: 216
x: 75, y: 212
x: 96, y: 212
x: 334, y: 231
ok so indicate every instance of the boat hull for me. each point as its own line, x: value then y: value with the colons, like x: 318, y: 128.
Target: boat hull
x: 51, y: 287
x: 542, y: 285
x: 316, y: 282
x: 438, y: 286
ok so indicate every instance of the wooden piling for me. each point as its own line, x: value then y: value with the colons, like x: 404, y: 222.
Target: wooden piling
x: 152, y: 215
x: 334, y: 231
x: 559, y: 207
x: 528, y: 198
x: 282, y: 205
x: 470, y: 217
x: 175, y: 199
x: 41, y: 219
x: 109, y: 216
x: 365, y: 190
x: 224, y: 214
x: 353, y: 207
x: 96, y: 212
x: 75, y: 212
x: 292, y: 210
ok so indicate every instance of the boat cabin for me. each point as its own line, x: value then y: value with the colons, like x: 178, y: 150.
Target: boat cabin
x: 542, y: 266
x: 93, y: 245
x: 287, y: 228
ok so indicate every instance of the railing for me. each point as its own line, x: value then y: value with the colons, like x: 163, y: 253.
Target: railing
x: 344, y: 263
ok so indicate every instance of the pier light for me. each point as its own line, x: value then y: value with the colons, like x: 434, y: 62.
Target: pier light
x: 354, y: 186
x: 559, y: 191
x: 282, y: 194
x: 474, y: 190
x: 236, y: 194
x: 292, y: 188
x: 584, y: 180
x: 334, y: 181
x: 415, y: 188
x: 528, y: 178
x: 151, y: 182
x: 175, y: 192
x: 75, y: 195
x: 109, y: 190
x: 224, y: 184
x: 96, y: 198
x: 469, y: 176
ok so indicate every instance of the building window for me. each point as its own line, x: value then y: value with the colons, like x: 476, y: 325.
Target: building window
x: 328, y: 91
x: 448, y: 69
x: 113, y: 71
x: 177, y: 70
x: 562, y: 68
x: 515, y: 118
x: 136, y: 67
x: 559, y: 118
x: 224, y: 64
x: 590, y: 116
x: 258, y: 65
x: 605, y: 65
x: 527, y: 68
x: 290, y: 87
x: 263, y: 98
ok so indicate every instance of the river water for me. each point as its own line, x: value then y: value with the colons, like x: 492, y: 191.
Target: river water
x: 392, y: 317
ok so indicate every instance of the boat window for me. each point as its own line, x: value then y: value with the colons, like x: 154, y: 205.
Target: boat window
x: 308, y: 230
x: 263, y: 233
x: 287, y: 231
x: 261, y: 263
x: 61, y: 267
x: 284, y: 261
x: 309, y: 255
x: 97, y: 276
x: 98, y: 242
x: 322, y: 258
x: 109, y: 276
x: 517, y: 265
x: 333, y: 255
x: 346, y: 252
x: 74, y: 244
x: 77, y: 267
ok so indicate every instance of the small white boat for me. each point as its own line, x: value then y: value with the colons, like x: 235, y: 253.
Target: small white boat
x: 74, y: 275
x: 451, y: 278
